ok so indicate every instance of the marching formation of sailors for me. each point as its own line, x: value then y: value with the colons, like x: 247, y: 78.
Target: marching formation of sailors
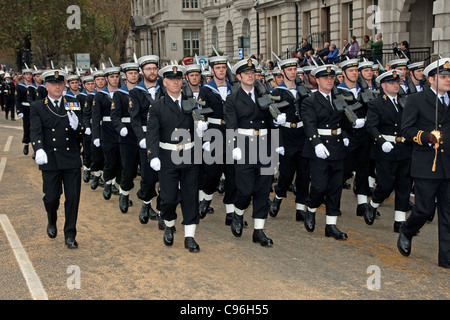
x: 321, y: 125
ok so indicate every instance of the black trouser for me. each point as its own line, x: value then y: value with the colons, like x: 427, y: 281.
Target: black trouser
x: 97, y: 158
x: 292, y: 163
x: 210, y: 176
x: 53, y: 182
x: 129, y: 155
x: 358, y: 160
x: 113, y: 164
x: 9, y: 108
x: 393, y: 176
x: 186, y: 195
x: 254, y: 187
x: 149, y: 178
x: 26, y: 125
x: 87, y: 150
x: 426, y: 192
x: 326, y: 182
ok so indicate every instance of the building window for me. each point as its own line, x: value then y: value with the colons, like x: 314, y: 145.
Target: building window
x: 191, y: 42
x: 190, y: 4
x: 350, y: 21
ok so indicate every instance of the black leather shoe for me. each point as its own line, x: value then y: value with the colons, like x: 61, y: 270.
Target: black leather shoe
x: 161, y: 224
x: 370, y: 215
x: 310, y: 221
x: 189, y: 243
x: 237, y: 224
x: 152, y: 213
x: 94, y: 183
x: 107, y: 191
x: 71, y: 243
x: 25, y: 149
x: 300, y: 215
x: 274, y: 207
x: 168, y: 236
x: 86, y: 176
x: 221, y: 187
x: 361, y: 209
x: 204, y: 208
x: 228, y: 219
x: 332, y: 231
x: 397, y: 225
x: 261, y: 238
x: 101, y: 182
x: 114, y: 190
x: 444, y: 264
x: 144, y: 215
x: 51, y: 231
x: 403, y: 243
x: 123, y: 203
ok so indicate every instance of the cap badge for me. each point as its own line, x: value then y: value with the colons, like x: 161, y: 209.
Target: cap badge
x: 56, y: 74
x: 328, y: 69
x: 175, y: 70
x: 250, y: 63
x: 447, y: 65
x: 394, y: 74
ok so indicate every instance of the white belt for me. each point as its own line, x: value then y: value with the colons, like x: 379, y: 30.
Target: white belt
x: 216, y: 121
x: 393, y: 139
x: 126, y: 120
x: 329, y: 132
x: 292, y: 125
x: 144, y: 128
x: 26, y: 104
x: 106, y: 119
x: 253, y: 132
x: 176, y: 147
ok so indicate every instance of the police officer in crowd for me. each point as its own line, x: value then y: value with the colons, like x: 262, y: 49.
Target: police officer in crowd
x: 55, y: 126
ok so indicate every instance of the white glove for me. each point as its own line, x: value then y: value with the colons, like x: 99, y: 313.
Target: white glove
x: 359, y: 123
x: 87, y: 131
x: 387, y: 147
x: 41, y: 157
x: 124, y: 132
x: 321, y: 151
x: 237, y: 154
x: 346, y: 142
x: 201, y: 128
x: 97, y: 142
x: 20, y: 115
x: 143, y: 144
x: 281, y: 119
x: 280, y: 150
x: 207, y: 146
x: 155, y: 163
x: 73, y: 120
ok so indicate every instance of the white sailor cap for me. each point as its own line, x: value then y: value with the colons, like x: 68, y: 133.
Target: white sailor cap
x: 416, y: 65
x: 27, y: 70
x: 399, y: 63
x: 172, y: 71
x: 288, y: 63
x: 207, y: 73
x: 98, y: 73
x: 244, y: 66
x: 193, y: 68
x: 269, y: 77
x: 258, y: 69
x: 218, y: 60
x: 389, y: 76
x: 112, y: 70
x: 129, y: 66
x: 300, y: 70
x: 148, y: 59
x: 325, y: 71
x: 376, y: 66
x: 73, y: 77
x: 308, y: 69
x: 276, y: 72
x: 349, y: 64
x: 444, y: 67
x: 87, y: 79
x: 54, y: 76
x: 37, y: 72
x: 365, y: 64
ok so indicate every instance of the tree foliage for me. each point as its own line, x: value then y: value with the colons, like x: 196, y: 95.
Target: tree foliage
x: 41, y: 25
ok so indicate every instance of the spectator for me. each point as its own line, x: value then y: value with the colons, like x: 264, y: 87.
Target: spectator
x: 345, y: 50
x: 403, y: 52
x: 325, y: 51
x: 333, y: 56
x: 365, y: 48
x: 269, y: 66
x: 302, y: 61
x: 305, y: 46
x: 377, y: 47
x: 354, y: 48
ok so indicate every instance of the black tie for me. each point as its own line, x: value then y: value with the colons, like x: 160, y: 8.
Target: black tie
x: 443, y: 101
x: 56, y: 104
x: 329, y: 100
x: 395, y: 104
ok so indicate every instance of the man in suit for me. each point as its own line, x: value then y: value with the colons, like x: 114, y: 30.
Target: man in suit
x: 325, y: 147
x: 426, y: 123
x: 390, y: 151
x: 253, y: 125
x: 54, y: 134
x: 178, y: 181
x: 144, y: 95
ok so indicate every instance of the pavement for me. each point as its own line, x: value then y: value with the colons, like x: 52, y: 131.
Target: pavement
x: 121, y: 259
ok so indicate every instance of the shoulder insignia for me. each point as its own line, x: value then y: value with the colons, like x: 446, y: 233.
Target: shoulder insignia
x: 113, y: 106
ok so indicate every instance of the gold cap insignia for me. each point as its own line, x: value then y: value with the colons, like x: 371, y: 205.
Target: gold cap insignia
x: 250, y: 63
x: 175, y: 70
x: 56, y: 74
x: 329, y: 69
x: 447, y: 65
x: 394, y: 74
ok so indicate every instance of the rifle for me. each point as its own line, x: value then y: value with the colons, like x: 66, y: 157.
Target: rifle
x: 366, y: 93
x: 340, y: 103
x: 192, y: 105
x: 268, y: 102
